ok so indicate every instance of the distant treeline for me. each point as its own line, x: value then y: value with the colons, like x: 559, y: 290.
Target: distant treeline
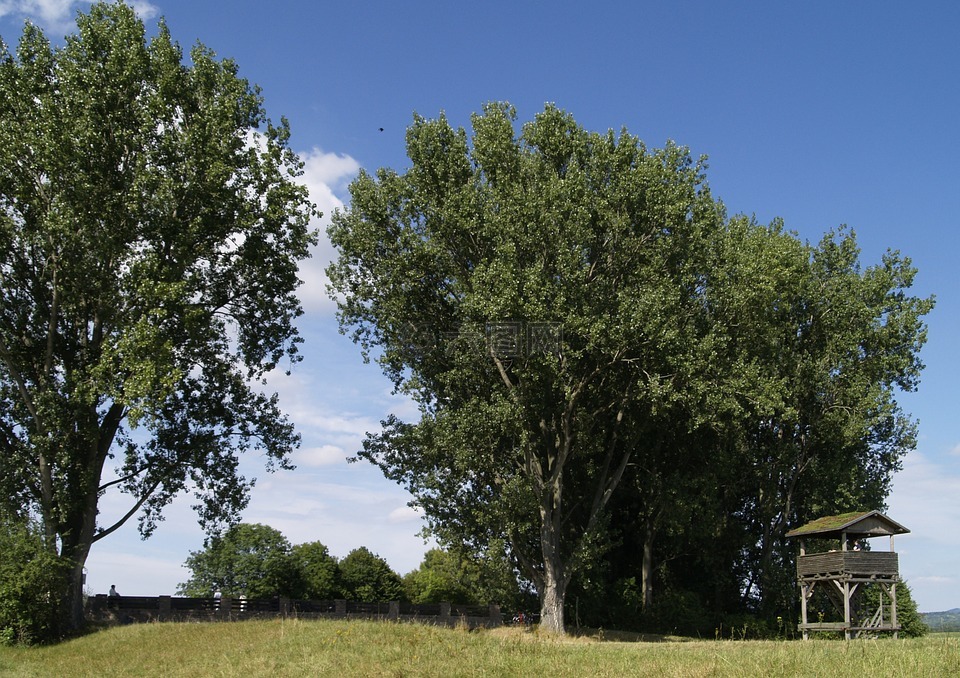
x: 943, y: 621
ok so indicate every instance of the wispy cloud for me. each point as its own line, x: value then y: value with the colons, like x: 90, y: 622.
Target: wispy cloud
x: 924, y: 497
x: 924, y: 500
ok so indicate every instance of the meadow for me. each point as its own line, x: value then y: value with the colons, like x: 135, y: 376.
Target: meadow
x: 359, y: 648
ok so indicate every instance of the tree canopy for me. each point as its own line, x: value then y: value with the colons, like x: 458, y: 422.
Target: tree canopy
x: 367, y: 578
x: 151, y: 227
x: 602, y: 356
x: 248, y: 559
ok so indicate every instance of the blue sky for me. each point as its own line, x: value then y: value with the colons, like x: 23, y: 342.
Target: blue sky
x: 821, y: 113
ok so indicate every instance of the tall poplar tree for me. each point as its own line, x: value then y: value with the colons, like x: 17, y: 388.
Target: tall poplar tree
x: 151, y: 226
x: 533, y: 293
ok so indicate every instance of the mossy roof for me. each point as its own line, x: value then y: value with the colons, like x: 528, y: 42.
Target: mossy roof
x: 855, y: 523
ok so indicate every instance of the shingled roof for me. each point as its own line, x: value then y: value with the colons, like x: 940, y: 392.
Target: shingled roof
x: 855, y: 524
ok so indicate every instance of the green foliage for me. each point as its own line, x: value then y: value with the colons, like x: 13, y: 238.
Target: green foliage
x: 316, y: 571
x: 911, y: 622
x: 251, y: 560
x: 513, y: 288
x: 366, y: 577
x: 31, y: 584
x: 151, y: 228
x: 608, y: 365
x: 441, y: 577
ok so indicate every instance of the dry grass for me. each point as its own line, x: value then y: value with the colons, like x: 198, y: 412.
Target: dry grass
x: 317, y: 648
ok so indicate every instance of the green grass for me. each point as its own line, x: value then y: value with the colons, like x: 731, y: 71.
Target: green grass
x: 317, y: 648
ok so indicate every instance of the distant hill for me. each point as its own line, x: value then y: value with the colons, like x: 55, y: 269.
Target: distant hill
x: 942, y: 621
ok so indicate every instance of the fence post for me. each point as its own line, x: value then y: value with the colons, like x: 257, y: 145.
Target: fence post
x: 163, y: 608
x: 284, y: 606
x: 445, y: 614
x: 341, y: 608
x: 394, y: 613
x: 494, y: 614
x: 96, y: 606
x: 225, y: 604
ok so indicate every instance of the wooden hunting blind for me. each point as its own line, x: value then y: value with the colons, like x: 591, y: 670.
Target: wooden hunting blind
x: 845, y: 573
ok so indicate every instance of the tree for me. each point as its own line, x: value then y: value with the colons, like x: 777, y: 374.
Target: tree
x: 577, y: 317
x: 367, y: 578
x: 317, y: 573
x: 251, y: 560
x: 812, y: 349
x: 824, y: 346
x: 442, y: 577
x: 533, y: 294
x: 150, y: 232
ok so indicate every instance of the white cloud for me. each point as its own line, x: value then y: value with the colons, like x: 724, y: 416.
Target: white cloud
x: 924, y: 500
x: 357, y: 509
x: 934, y: 580
x: 404, y: 514
x: 59, y: 16
x: 326, y: 176
x: 325, y: 455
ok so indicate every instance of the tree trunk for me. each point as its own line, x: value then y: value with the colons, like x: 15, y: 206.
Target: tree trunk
x: 71, y: 612
x: 646, y: 566
x: 554, y: 591
x: 551, y: 606
x: 76, y: 538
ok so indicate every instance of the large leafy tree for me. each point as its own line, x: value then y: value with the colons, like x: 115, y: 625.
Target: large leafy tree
x: 248, y: 559
x: 367, y: 578
x: 533, y: 293
x: 813, y: 349
x: 151, y: 227
x: 828, y: 345
x: 576, y: 316
x: 317, y: 572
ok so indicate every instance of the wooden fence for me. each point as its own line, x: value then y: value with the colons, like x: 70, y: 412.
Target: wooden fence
x: 131, y: 609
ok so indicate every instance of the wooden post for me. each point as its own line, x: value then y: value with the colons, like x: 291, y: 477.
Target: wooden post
x: 223, y: 609
x: 804, y: 592
x: 163, y: 607
x: 893, y: 610
x: 494, y: 614
x: 445, y: 614
x: 846, y: 605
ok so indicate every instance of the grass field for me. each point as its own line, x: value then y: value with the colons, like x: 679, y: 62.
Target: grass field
x: 331, y: 648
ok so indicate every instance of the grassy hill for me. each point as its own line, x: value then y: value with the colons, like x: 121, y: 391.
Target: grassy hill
x: 948, y: 621
x: 315, y: 648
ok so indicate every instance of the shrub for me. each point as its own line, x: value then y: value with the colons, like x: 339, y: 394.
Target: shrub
x: 32, y: 584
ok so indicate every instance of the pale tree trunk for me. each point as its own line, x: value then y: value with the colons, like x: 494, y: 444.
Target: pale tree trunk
x: 555, y: 577
x: 551, y: 607
x: 554, y: 592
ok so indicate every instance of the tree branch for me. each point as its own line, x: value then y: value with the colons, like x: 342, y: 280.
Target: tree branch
x: 136, y: 507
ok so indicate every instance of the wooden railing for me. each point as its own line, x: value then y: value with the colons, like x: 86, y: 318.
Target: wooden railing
x: 131, y: 609
x: 850, y: 563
